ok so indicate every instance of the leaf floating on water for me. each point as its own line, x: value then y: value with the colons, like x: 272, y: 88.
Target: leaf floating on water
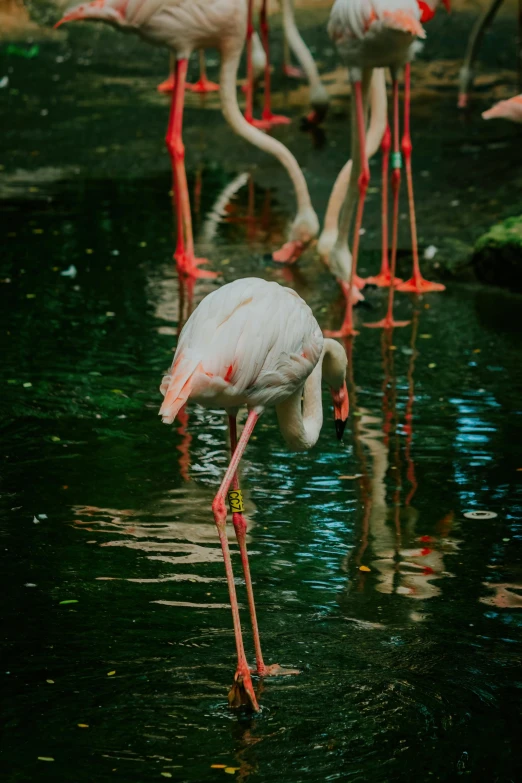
x: 69, y: 601
x: 27, y: 385
x: 30, y: 296
x: 55, y: 438
x: 425, y: 336
x: 432, y: 365
x: 166, y: 774
x: 83, y: 725
x: 218, y: 766
x: 116, y: 391
x: 110, y: 674
x: 51, y: 682
x: 225, y: 261
x: 231, y: 770
x: 364, y: 568
x: 45, y: 758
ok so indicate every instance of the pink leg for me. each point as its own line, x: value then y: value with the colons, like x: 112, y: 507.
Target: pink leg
x: 184, y: 253
x: 267, y: 116
x: 383, y: 279
x: 347, y: 329
x: 249, y: 115
x: 387, y: 322
x: 168, y: 84
x: 417, y: 284
x: 203, y: 85
x: 240, y: 526
x: 242, y: 691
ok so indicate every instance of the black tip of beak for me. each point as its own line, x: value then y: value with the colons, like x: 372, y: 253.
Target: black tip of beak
x: 339, y: 428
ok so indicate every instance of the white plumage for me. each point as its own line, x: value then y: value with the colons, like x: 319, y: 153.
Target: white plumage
x: 374, y: 33
x: 248, y: 343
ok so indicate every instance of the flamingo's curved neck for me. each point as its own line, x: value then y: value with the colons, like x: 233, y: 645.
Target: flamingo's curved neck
x: 298, y: 46
x: 232, y: 113
x: 300, y: 416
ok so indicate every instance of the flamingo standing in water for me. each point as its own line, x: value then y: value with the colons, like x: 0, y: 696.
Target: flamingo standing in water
x: 255, y: 344
x: 182, y: 26
x: 369, y: 34
x: 377, y: 133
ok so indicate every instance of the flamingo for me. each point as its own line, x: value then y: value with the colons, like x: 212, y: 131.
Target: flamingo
x: 378, y: 132
x: 182, y: 26
x: 368, y: 34
x: 506, y: 110
x: 257, y: 344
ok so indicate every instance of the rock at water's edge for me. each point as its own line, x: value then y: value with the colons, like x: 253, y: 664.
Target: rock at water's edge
x: 497, y: 258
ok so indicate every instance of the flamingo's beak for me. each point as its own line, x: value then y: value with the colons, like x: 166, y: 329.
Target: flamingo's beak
x: 341, y: 409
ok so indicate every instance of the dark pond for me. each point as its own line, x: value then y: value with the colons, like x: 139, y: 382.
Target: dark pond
x: 411, y: 666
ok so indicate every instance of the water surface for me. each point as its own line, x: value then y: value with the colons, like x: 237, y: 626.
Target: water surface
x: 411, y: 666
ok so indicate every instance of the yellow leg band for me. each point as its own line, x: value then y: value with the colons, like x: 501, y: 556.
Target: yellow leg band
x: 235, y: 500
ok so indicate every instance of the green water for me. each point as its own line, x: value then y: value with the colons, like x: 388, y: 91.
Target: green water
x: 409, y: 669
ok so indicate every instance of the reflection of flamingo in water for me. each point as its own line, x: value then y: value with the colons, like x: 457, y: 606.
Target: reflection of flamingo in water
x: 225, y: 359
x: 405, y: 563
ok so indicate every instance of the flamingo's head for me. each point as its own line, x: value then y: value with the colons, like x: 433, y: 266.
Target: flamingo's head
x: 110, y: 11
x: 341, y: 409
x: 335, y: 363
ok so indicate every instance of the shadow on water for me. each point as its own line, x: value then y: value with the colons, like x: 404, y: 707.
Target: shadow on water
x: 402, y: 614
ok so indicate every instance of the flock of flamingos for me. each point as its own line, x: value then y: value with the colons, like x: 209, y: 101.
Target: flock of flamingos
x: 255, y: 343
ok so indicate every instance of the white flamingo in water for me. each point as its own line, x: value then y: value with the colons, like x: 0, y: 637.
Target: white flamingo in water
x: 182, y: 26
x: 370, y: 34
x: 255, y: 344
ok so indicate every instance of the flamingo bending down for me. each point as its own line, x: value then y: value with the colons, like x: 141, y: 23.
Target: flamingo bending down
x: 257, y: 344
x: 506, y: 110
x: 182, y: 26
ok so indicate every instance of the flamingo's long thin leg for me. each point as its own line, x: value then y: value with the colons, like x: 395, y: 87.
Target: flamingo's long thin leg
x: 242, y: 691
x: 184, y: 254
x: 387, y: 322
x: 383, y: 279
x: 240, y: 526
x: 359, y: 138
x: 203, y: 84
x: 416, y: 284
x: 267, y: 116
x: 168, y: 84
x: 249, y: 107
